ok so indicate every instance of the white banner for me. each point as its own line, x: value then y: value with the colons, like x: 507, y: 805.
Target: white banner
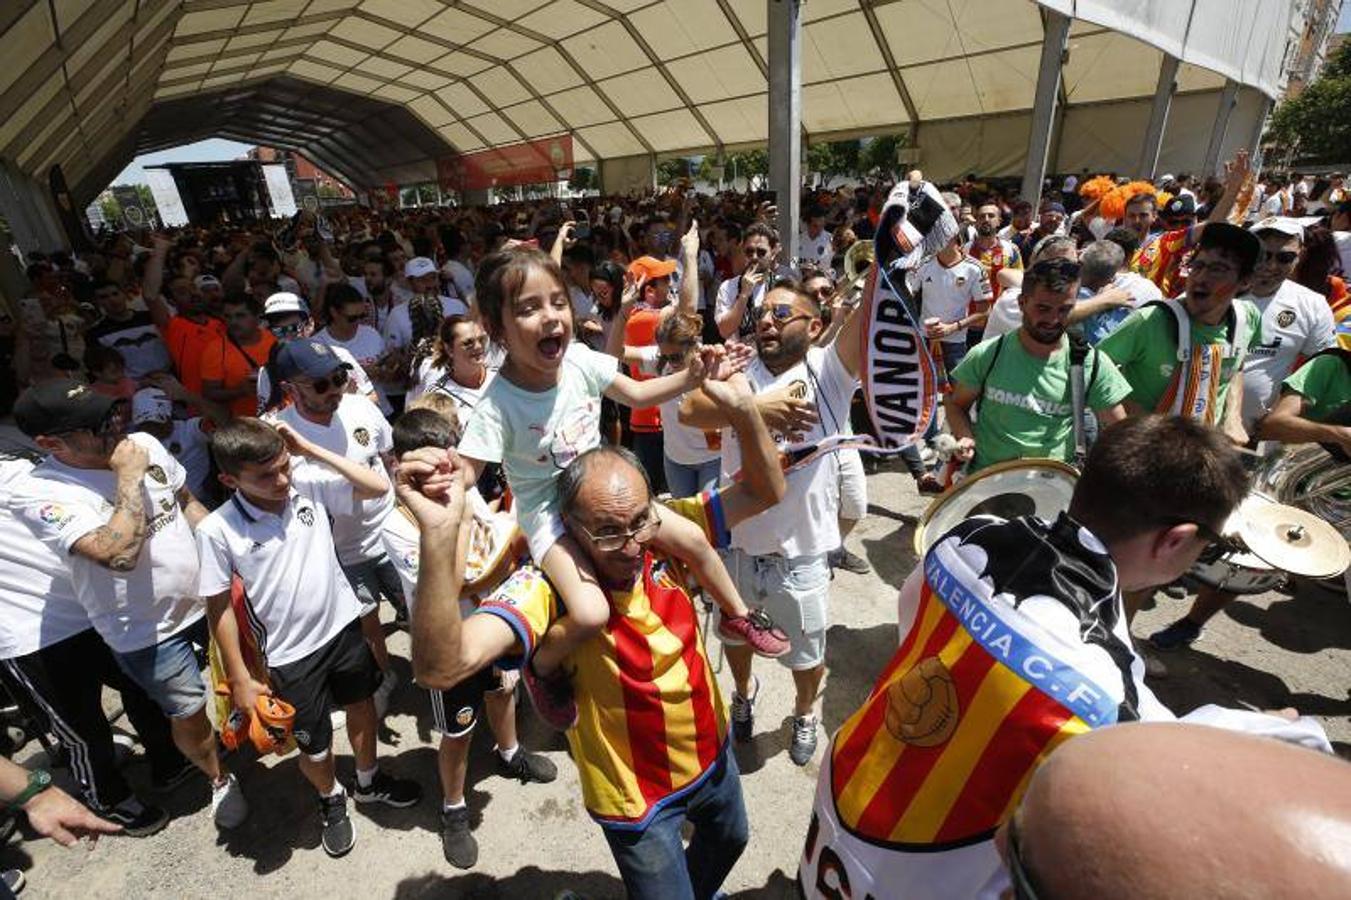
x: 167, y: 200
x: 279, y: 190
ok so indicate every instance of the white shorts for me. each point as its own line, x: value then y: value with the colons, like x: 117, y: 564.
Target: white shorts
x: 541, y: 533
x: 853, y: 486
x: 794, y: 593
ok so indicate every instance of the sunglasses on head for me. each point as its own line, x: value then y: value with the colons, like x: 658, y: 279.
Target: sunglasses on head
x: 338, y: 381
x: 1066, y: 268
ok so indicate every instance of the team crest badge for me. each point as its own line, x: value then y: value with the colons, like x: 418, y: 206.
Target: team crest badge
x: 157, y: 475
x: 306, y: 515
x: 166, y: 504
x: 362, y: 436
x: 1286, y: 318
x: 922, y: 707
x: 464, y: 716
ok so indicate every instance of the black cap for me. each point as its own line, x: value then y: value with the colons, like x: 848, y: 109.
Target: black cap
x: 64, y: 405
x: 1181, y: 205
x: 307, y: 357
x: 1239, y: 241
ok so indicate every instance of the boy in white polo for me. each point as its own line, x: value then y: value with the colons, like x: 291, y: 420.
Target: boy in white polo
x: 115, y: 507
x: 274, y: 533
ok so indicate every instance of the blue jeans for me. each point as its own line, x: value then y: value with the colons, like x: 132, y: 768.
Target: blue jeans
x: 374, y: 577
x: 170, y: 671
x: 653, y: 863
x: 686, y: 481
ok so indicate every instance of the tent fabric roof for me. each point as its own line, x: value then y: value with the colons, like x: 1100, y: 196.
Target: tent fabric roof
x: 90, y: 83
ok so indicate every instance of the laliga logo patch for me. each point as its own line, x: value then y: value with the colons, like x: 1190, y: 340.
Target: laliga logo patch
x: 464, y: 716
x: 361, y: 436
x: 922, y: 705
x: 157, y: 475
x: 305, y: 515
x: 1286, y: 318
x: 53, y: 514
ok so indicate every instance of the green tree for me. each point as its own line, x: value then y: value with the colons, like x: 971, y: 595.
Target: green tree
x: 834, y: 158
x: 879, y: 153
x: 673, y: 169
x: 583, y: 179
x: 1315, y: 127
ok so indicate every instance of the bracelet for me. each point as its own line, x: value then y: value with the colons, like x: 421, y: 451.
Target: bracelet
x: 38, y: 781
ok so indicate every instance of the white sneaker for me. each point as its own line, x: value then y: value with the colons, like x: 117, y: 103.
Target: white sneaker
x: 338, y: 719
x: 388, y: 683
x: 229, y: 809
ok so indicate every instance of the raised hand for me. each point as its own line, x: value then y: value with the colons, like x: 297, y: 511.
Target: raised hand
x: 689, y: 241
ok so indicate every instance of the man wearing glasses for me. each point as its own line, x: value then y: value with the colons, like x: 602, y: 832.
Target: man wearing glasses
x: 741, y: 297
x: 1013, y: 639
x: 349, y: 328
x: 287, y: 317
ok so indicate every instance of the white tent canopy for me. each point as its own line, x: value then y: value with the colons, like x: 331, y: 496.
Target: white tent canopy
x: 634, y: 78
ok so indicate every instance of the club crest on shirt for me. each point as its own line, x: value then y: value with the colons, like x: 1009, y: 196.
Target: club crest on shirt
x: 361, y: 436
x: 54, y: 514
x: 464, y: 716
x: 306, y: 515
x: 1286, y: 318
x: 156, y: 473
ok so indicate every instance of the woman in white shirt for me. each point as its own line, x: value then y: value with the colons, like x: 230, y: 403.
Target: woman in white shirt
x: 455, y: 364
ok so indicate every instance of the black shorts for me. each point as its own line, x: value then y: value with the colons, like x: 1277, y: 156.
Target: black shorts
x: 340, y: 673
x: 455, y: 712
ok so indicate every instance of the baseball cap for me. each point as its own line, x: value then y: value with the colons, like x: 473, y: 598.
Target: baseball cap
x: 1181, y: 205
x: 1164, y: 179
x: 1279, y: 224
x: 650, y: 267
x: 60, y: 406
x: 1223, y: 236
x: 1054, y: 206
x: 419, y: 266
x: 151, y: 405
x: 206, y: 281
x: 310, y: 358
x: 284, y: 302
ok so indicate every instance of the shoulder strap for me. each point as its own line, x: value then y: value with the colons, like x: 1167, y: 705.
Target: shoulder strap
x: 248, y: 360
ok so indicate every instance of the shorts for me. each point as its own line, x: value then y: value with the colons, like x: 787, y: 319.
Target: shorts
x: 372, y: 578
x: 340, y: 673
x: 170, y: 671
x: 541, y: 532
x: 794, y: 593
x: 853, y: 486
x: 456, y: 711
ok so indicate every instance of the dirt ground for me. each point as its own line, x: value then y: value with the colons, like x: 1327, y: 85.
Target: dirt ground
x: 1270, y: 651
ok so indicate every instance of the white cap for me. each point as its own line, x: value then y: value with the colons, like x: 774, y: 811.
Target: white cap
x: 284, y: 302
x: 1164, y: 179
x: 419, y: 266
x: 151, y: 405
x: 1279, y: 224
x: 204, y: 281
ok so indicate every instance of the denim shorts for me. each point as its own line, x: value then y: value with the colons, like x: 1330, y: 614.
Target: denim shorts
x: 169, y: 671
x: 794, y: 593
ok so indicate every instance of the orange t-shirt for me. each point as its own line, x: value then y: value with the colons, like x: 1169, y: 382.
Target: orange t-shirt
x: 641, y: 331
x: 222, y: 362
x: 186, y: 340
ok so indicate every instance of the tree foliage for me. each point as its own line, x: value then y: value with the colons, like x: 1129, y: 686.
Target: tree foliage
x: 834, y: 158
x: 583, y: 179
x: 1315, y: 127
x: 879, y: 154
x: 674, y: 169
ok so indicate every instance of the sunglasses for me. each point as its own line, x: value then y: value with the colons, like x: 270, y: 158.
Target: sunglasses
x: 783, y: 313
x: 1210, y: 535
x: 1284, y: 257
x: 756, y: 252
x: 338, y: 381
x: 286, y: 332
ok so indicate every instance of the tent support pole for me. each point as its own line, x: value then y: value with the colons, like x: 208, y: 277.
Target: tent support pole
x: 1255, y: 145
x: 785, y: 118
x: 1228, y: 100
x: 1158, y: 118
x: 1057, y: 29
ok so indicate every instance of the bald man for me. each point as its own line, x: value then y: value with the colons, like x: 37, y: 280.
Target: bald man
x: 1172, y: 810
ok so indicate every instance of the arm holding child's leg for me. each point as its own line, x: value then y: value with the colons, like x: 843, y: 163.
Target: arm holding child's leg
x: 588, y: 608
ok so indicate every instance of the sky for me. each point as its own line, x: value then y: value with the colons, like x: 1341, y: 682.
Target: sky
x: 221, y: 150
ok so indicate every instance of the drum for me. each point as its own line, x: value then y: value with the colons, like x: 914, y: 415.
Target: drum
x: 1309, y: 478
x: 1239, y: 573
x: 1019, y: 487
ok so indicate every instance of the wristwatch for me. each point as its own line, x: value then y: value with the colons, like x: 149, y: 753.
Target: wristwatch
x: 38, y: 781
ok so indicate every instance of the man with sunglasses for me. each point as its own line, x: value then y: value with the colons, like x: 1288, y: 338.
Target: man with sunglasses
x: 287, y: 317
x: 349, y: 329
x: 315, y: 379
x: 741, y: 297
x: 1013, y: 640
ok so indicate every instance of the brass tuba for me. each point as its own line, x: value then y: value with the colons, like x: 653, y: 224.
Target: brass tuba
x: 858, y: 262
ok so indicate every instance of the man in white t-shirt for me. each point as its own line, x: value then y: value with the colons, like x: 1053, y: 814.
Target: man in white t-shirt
x: 779, y: 559
x: 186, y: 439
x: 116, y: 508
x: 814, y: 245
x: 955, y: 295
x: 741, y: 297
x: 352, y: 427
x: 274, y: 534
x: 382, y: 293
x: 1340, y: 222
x: 423, y: 280
x: 53, y: 655
x: 456, y: 269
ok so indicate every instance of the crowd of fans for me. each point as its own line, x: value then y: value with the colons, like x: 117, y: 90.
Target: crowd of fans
x: 240, y: 433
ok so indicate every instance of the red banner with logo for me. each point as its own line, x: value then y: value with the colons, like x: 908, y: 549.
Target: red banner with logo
x: 534, y: 162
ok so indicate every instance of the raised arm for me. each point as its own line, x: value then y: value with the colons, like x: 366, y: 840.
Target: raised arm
x: 762, y: 481
x: 117, y: 543
x: 366, y: 483
x: 628, y: 300
x: 152, y: 285
x: 729, y: 320
x: 688, y: 302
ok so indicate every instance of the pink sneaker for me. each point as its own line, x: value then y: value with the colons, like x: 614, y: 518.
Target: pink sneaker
x: 552, y: 697
x: 757, y: 630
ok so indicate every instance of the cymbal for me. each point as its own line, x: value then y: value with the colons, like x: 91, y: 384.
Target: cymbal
x: 1294, y: 541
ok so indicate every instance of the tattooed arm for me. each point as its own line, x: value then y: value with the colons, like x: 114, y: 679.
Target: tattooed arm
x: 117, y: 543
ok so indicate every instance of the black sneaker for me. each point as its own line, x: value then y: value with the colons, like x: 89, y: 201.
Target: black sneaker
x: 1182, y: 633
x: 743, y: 714
x: 396, y: 792
x: 840, y: 558
x: 14, y: 880
x: 340, y: 833
x: 526, y: 767
x: 457, y: 842
x: 136, y: 818
x: 169, y: 780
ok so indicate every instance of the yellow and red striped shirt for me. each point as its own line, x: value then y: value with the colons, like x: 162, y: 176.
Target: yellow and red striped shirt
x: 1160, y: 259
x: 651, y: 718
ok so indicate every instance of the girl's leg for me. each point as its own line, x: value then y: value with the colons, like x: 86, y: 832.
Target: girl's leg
x: 587, y: 606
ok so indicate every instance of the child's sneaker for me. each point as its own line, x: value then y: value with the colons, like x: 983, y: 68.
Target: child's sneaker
x: 756, y: 630
x: 552, y: 697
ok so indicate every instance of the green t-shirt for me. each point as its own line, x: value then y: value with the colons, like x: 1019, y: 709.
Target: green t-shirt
x: 1025, y: 410
x: 1145, y: 350
x: 1325, y: 384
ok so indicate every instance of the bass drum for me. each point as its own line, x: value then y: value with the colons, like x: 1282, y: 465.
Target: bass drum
x: 1307, y: 477
x: 1019, y: 487
x: 1239, y: 573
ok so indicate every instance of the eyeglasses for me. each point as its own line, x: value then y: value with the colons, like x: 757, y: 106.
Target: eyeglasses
x: 611, y: 541
x: 1283, y: 257
x: 1018, y: 874
x: 756, y: 252
x: 286, y: 332
x: 338, y: 380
